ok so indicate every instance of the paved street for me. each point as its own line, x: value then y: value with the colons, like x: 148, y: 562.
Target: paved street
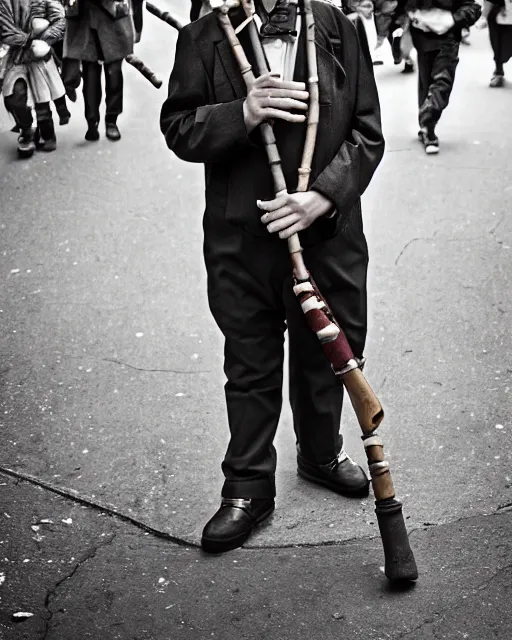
x: 112, y: 419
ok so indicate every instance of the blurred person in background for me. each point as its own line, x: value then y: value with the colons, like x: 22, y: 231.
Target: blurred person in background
x: 435, y: 27
x: 497, y: 14
x: 99, y: 33
x: 390, y: 27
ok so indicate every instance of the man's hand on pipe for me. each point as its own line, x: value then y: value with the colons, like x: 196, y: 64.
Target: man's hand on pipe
x: 293, y: 212
x: 273, y: 99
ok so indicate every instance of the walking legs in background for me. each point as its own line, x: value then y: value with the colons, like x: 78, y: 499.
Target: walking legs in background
x: 498, y: 76
x: 45, y: 138
x: 17, y: 105
x: 93, y: 94
x: 91, y: 72
x: 436, y: 75
x: 113, y: 98
x: 400, y: 49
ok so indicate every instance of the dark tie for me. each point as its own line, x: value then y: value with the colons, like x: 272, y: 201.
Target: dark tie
x: 280, y: 21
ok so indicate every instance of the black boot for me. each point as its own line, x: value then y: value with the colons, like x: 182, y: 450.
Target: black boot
x: 26, y: 145
x: 62, y: 110
x: 45, y: 139
x: 92, y: 132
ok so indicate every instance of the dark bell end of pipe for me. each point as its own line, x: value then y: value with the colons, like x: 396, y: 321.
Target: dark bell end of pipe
x: 399, y: 558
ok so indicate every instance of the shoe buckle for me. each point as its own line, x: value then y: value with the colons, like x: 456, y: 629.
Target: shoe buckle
x: 241, y: 503
x: 342, y: 456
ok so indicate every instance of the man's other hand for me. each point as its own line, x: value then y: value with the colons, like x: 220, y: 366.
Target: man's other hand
x: 293, y: 212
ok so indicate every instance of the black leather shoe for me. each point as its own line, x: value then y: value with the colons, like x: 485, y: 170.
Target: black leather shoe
x: 342, y: 475
x: 112, y: 131
x: 92, y: 134
x: 233, y: 523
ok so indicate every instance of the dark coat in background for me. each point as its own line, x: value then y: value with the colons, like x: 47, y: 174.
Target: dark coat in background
x: 92, y: 34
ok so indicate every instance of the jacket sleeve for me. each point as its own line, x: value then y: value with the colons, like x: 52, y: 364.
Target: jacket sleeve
x: 56, y: 16
x: 466, y: 14
x: 345, y: 179
x: 9, y: 33
x: 195, y: 130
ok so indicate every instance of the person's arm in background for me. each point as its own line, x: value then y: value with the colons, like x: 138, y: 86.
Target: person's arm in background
x: 56, y: 17
x: 466, y: 13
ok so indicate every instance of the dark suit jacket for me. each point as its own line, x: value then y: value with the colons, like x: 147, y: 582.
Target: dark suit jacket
x: 202, y: 121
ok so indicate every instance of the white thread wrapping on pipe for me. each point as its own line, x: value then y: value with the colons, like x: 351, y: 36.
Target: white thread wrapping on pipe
x: 373, y: 441
x: 328, y: 333
x: 242, y: 25
x: 312, y: 303
x: 378, y: 468
x: 302, y: 287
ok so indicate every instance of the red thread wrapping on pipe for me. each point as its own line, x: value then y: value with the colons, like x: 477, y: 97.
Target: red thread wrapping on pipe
x: 317, y: 320
x: 338, y: 351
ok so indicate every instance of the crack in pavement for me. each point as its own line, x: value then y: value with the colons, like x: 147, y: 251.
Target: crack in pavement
x: 495, y: 228
x: 52, y: 592
x: 408, y: 244
x: 131, y: 366
x: 437, y: 616
x: 432, y: 237
x: 70, y: 494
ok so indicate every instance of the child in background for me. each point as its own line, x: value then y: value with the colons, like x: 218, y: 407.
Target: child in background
x: 32, y: 77
x: 44, y: 17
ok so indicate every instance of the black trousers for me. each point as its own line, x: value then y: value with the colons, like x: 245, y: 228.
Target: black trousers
x: 92, y: 89
x: 436, y: 75
x: 251, y: 298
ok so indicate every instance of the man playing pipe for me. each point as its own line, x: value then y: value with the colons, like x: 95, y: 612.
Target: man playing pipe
x: 209, y: 118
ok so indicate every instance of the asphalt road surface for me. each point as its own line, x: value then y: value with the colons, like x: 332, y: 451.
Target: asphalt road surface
x: 111, y: 366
